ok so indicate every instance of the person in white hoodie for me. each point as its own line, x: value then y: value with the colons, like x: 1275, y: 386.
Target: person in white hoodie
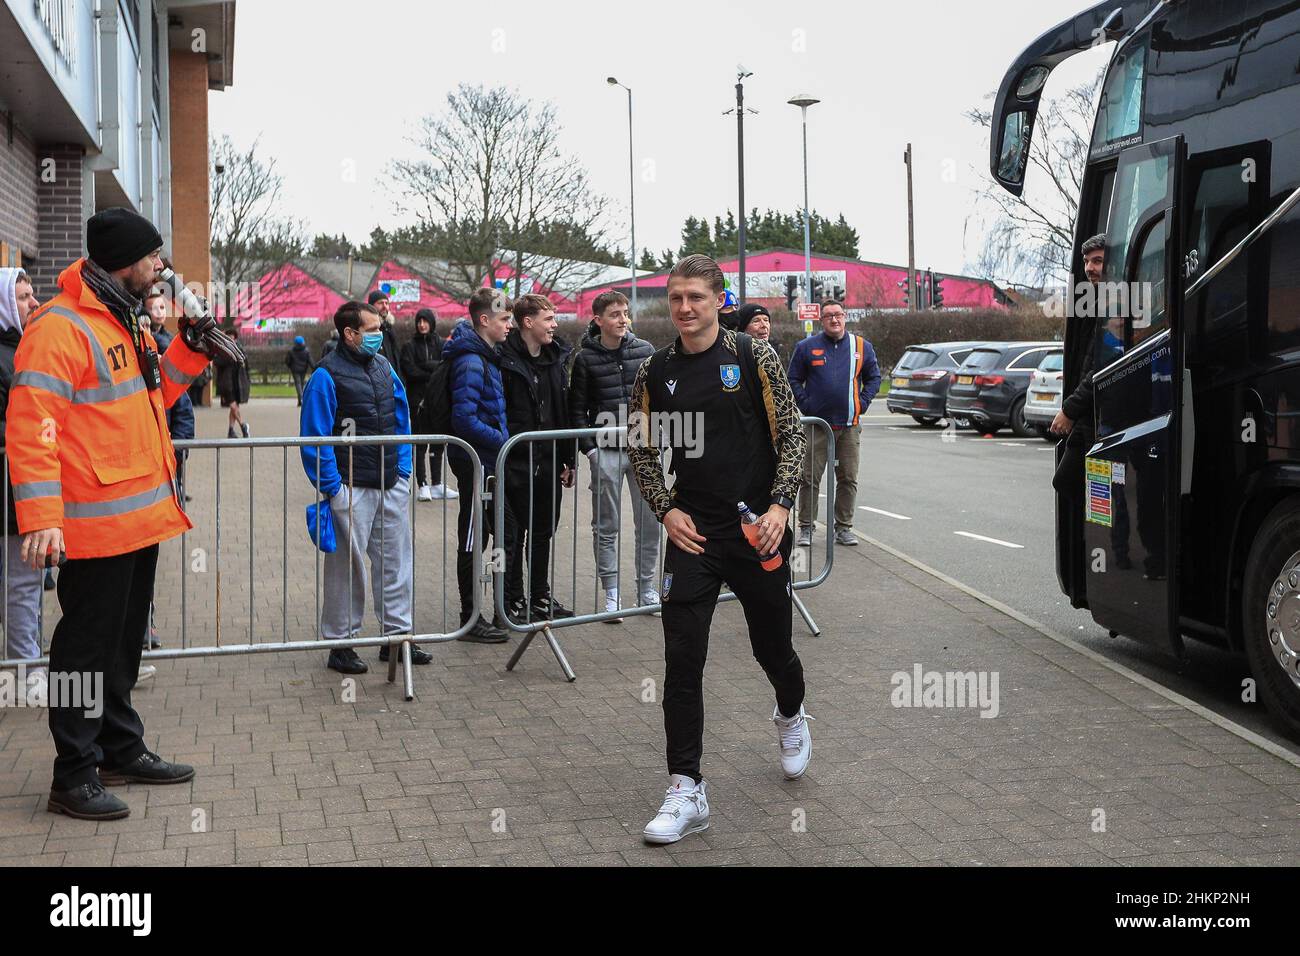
x: 19, y: 582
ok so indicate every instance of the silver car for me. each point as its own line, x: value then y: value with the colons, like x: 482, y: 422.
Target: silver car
x: 1043, y: 400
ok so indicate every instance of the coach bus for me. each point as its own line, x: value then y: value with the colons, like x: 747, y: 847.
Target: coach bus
x: 1191, y: 521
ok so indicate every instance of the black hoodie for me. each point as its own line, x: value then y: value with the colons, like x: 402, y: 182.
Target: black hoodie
x: 536, y: 393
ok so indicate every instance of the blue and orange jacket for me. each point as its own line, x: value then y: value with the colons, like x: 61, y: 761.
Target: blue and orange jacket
x: 834, y: 380
x: 87, y: 441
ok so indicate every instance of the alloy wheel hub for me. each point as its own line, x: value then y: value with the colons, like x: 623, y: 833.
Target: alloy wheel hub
x: 1282, y: 612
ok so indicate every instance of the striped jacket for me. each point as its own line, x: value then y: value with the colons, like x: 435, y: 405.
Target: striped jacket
x: 87, y: 441
x: 834, y: 380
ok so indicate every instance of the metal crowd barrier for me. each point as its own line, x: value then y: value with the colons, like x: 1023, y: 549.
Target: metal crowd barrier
x: 238, y: 531
x: 614, y: 437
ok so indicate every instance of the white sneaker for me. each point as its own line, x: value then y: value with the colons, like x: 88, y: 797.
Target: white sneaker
x: 147, y: 671
x: 795, y: 741
x: 650, y: 598
x: 611, y: 604
x: 685, y: 811
x: 37, y: 687
x: 442, y: 491
x: 426, y: 493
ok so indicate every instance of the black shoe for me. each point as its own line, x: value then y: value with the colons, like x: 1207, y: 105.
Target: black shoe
x: 484, y: 633
x: 90, y: 801
x: 49, y: 580
x: 549, y: 609
x: 346, y: 661
x: 247, y: 433
x: 417, y: 656
x: 146, y: 768
x: 155, y: 642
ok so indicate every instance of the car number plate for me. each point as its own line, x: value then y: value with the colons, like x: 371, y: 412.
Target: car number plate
x: 965, y: 379
x: 898, y: 383
x: 1044, y: 397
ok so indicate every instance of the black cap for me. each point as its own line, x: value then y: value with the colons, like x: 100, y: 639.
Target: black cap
x: 118, y: 237
x: 376, y: 296
x: 746, y: 313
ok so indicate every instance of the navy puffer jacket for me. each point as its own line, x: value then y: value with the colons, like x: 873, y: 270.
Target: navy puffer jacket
x: 478, y: 401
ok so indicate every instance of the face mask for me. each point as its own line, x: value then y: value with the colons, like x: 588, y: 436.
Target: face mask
x: 370, y: 342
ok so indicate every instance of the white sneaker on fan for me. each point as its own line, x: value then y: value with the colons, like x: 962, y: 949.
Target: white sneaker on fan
x: 795, y: 741
x: 685, y: 811
x: 426, y: 493
x: 442, y: 491
x: 611, y: 604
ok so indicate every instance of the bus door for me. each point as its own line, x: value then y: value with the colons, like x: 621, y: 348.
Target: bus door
x: 1133, y: 473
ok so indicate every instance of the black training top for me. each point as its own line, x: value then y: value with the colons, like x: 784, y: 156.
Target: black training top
x: 721, y: 449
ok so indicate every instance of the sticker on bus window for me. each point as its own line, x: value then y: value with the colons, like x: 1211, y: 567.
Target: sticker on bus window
x: 1099, y: 475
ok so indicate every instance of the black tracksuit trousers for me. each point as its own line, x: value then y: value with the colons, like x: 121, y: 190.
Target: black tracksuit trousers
x: 105, y: 604
x: 690, y: 593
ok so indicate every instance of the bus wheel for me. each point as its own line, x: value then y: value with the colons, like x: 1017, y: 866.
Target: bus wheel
x: 1271, y: 614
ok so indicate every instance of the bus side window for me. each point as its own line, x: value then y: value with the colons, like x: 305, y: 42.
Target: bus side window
x: 1220, y: 217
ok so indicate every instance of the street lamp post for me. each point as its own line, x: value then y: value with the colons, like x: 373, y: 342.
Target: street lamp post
x: 631, y: 179
x: 803, y: 101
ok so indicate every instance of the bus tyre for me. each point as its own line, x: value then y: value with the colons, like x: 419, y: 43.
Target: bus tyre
x: 1271, y: 614
x: 1022, y: 426
x: 925, y: 421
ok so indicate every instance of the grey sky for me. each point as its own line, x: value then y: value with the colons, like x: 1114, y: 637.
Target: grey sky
x: 332, y: 86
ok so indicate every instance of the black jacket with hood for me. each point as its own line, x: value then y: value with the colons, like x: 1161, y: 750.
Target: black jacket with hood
x: 600, y: 382
x: 525, y: 411
x: 419, y: 358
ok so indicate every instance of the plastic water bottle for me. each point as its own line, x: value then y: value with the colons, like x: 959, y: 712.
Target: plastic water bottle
x: 749, y: 526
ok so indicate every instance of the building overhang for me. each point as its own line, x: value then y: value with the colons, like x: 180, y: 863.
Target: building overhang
x: 216, y: 20
x: 29, y: 94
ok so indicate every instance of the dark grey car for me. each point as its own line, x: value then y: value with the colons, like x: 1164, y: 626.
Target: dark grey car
x: 989, y: 388
x: 919, y: 383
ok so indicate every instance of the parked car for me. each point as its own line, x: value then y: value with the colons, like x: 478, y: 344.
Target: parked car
x: 989, y: 388
x: 1044, y: 398
x: 919, y: 383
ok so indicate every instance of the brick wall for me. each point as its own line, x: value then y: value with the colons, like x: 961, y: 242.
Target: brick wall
x: 18, y: 176
x: 61, y: 228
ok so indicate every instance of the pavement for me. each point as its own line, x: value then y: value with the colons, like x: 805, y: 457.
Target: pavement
x: 1082, y: 765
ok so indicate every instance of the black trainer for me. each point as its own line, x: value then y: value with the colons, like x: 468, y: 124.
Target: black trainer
x: 484, y: 633
x: 548, y: 609
x: 146, y: 768
x: 346, y: 661
x: 417, y: 656
x: 90, y: 801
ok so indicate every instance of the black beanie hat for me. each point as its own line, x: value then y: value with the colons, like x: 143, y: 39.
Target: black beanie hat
x: 746, y: 313
x: 118, y: 237
x: 375, y: 296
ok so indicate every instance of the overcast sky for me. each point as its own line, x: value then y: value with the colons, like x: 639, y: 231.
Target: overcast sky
x: 331, y: 86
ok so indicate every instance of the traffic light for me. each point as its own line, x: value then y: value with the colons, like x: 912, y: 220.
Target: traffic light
x: 791, y: 290
x: 936, y: 292
x: 928, y: 297
x: 902, y: 284
x: 816, y: 290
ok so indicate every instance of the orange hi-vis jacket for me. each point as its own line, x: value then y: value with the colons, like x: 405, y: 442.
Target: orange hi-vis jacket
x: 87, y: 441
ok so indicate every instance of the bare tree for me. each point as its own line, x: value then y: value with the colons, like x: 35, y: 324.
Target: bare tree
x: 494, y: 185
x: 1031, y: 235
x: 249, y: 237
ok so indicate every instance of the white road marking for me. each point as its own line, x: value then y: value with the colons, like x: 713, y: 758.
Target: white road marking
x: 980, y: 537
x: 887, y: 514
x: 1013, y: 444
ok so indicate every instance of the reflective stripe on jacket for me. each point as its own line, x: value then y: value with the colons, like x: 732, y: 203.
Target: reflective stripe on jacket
x: 88, y: 446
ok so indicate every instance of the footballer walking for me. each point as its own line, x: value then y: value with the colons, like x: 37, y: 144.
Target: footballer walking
x: 743, y: 449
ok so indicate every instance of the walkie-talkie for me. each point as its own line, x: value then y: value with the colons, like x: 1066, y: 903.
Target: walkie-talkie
x: 151, y: 369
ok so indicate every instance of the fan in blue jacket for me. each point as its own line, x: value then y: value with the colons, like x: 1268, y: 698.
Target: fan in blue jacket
x: 478, y: 399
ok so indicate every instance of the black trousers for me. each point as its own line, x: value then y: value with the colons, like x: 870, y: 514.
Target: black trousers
x: 105, y: 604
x: 690, y: 593
x: 423, y: 471
x: 529, y: 531
x: 473, y: 518
x: 299, y: 379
